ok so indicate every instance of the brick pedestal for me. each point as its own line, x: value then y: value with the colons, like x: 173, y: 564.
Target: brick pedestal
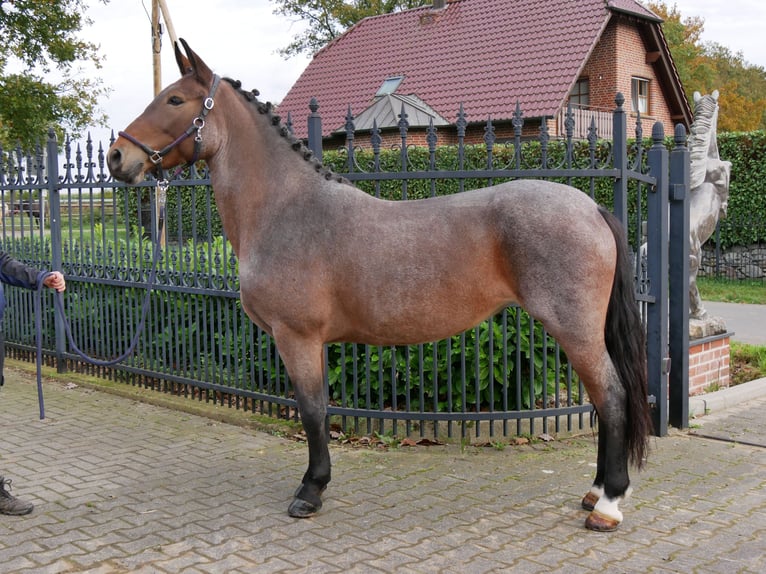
x: 709, y: 364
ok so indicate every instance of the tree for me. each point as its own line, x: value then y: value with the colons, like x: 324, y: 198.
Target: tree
x: 704, y: 67
x: 328, y: 19
x: 41, y: 85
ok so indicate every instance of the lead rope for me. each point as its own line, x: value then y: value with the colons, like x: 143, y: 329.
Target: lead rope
x: 58, y: 300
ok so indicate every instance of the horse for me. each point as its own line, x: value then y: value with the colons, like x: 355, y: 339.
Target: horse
x: 320, y: 261
x: 709, y: 189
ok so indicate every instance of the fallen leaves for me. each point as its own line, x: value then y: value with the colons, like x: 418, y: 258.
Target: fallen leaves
x: 384, y: 441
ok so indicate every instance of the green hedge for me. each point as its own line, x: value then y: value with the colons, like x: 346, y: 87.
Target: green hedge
x: 746, y: 219
x: 744, y: 225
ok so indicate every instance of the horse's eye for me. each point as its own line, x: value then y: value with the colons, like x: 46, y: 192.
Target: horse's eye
x: 175, y: 101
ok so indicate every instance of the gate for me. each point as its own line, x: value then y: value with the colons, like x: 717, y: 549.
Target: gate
x: 504, y: 377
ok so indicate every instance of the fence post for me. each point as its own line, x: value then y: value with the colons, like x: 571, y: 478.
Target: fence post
x: 678, y: 410
x: 54, y: 221
x: 620, y: 147
x: 657, y: 272
x: 315, y: 129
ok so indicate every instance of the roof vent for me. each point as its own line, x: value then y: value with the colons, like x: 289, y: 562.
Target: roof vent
x: 439, y: 4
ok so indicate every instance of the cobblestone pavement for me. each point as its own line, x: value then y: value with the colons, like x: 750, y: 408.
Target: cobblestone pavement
x: 124, y: 486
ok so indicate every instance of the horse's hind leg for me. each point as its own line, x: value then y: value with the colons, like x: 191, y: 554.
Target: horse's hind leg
x: 597, y: 490
x: 587, y: 352
x: 612, y: 483
x: 305, y: 365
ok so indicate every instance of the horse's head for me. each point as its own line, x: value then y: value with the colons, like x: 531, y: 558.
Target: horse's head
x: 169, y: 132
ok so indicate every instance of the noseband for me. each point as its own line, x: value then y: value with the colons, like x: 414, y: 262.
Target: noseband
x: 155, y: 156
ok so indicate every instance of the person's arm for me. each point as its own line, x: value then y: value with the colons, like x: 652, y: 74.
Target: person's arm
x: 16, y: 273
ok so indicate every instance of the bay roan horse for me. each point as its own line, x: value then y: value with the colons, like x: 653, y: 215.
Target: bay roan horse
x: 321, y: 261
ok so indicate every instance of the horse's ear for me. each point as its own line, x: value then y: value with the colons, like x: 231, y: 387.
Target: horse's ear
x: 192, y: 63
x: 184, y: 65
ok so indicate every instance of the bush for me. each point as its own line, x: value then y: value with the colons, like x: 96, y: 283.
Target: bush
x: 745, y: 222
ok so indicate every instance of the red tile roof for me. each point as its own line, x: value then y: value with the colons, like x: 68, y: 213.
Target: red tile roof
x: 488, y: 54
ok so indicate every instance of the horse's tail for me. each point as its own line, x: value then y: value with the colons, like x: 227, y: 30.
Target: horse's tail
x: 626, y: 344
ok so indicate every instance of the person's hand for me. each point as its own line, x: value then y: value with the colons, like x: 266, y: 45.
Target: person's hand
x: 55, y: 281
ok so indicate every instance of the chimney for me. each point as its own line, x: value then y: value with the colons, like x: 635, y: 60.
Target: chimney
x: 428, y: 17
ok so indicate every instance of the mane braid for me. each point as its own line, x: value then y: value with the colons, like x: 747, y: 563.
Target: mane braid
x: 267, y: 109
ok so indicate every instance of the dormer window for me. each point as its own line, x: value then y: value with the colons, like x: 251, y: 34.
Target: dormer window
x: 389, y: 86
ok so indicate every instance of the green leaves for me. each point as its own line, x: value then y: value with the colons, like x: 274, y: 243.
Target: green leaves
x: 507, y: 362
x: 745, y: 222
x: 39, y: 37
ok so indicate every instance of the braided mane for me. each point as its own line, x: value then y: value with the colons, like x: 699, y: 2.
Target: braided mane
x: 267, y: 109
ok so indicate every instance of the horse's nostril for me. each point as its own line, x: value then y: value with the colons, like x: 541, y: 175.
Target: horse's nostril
x: 115, y: 158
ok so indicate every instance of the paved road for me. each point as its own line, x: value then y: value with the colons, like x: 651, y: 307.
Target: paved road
x: 748, y: 322
x: 122, y: 486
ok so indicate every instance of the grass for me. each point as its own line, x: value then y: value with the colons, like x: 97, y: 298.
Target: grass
x: 730, y: 291
x: 747, y: 362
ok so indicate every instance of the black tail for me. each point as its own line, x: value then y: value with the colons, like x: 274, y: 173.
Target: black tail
x: 626, y: 344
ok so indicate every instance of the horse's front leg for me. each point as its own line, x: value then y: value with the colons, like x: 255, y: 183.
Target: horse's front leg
x: 305, y: 365
x: 696, y: 309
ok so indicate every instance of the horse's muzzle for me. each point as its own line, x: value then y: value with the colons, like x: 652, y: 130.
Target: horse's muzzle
x: 122, y: 167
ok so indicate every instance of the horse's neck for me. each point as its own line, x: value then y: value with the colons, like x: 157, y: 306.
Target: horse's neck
x: 249, y: 175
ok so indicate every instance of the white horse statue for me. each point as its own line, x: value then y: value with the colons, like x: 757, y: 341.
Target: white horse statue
x: 709, y: 185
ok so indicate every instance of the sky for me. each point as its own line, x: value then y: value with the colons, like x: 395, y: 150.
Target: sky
x: 239, y: 39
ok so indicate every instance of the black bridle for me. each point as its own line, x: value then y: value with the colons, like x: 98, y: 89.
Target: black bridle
x: 155, y: 156
x: 162, y: 184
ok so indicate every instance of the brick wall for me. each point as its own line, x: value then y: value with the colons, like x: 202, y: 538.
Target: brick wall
x: 709, y: 365
x: 618, y: 57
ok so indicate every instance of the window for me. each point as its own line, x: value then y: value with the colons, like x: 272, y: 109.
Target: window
x: 389, y: 86
x: 639, y: 95
x: 580, y: 94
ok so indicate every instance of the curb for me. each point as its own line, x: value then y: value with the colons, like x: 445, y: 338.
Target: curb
x: 726, y: 398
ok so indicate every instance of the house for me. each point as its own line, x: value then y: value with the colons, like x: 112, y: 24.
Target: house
x: 489, y: 56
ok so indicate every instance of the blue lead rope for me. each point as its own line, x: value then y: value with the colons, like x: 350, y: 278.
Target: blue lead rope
x: 59, y: 305
x: 39, y: 345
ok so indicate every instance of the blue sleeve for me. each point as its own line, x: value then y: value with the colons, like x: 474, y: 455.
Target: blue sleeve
x: 14, y: 272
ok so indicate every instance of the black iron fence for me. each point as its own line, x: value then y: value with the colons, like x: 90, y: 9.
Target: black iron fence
x: 506, y: 376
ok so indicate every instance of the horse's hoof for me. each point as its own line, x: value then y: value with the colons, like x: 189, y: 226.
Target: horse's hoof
x: 589, y: 501
x: 600, y: 522
x: 300, y: 508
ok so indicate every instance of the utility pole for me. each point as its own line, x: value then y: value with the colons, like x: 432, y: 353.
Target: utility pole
x: 168, y: 22
x: 156, y: 46
x: 160, y: 7
x: 157, y: 6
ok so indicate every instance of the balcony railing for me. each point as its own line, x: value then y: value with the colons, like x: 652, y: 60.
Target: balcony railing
x: 583, y: 116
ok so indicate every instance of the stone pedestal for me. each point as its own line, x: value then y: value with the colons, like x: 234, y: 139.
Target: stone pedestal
x: 709, y: 363
x: 707, y: 327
